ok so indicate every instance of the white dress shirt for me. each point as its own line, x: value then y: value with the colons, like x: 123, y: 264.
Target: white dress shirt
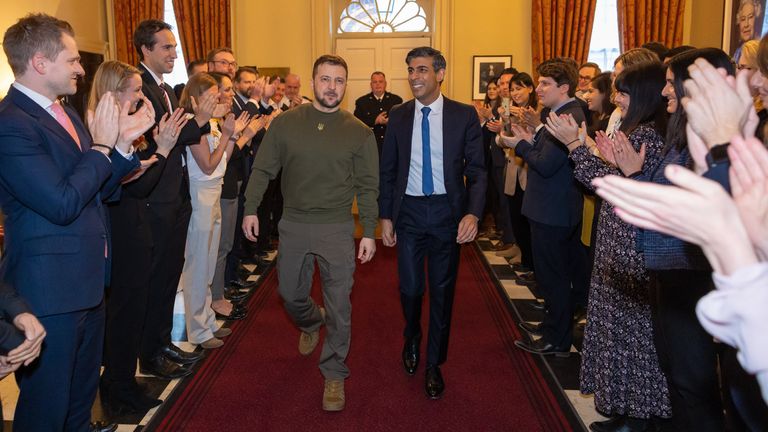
x: 46, y: 104
x: 435, y: 146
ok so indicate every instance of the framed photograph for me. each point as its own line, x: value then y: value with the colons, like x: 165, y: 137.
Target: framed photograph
x: 485, y: 69
x: 743, y: 20
x: 274, y: 71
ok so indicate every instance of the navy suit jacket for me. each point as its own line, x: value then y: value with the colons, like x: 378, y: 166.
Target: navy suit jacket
x: 51, y: 193
x: 462, y: 157
x: 552, y: 196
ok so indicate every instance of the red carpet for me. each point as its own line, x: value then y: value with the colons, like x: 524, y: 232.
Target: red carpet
x: 259, y: 382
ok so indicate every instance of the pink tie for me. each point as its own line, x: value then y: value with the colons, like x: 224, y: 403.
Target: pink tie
x: 63, y: 119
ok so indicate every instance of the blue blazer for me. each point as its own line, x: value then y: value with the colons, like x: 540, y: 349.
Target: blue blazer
x: 552, y: 196
x: 462, y: 158
x: 56, y: 228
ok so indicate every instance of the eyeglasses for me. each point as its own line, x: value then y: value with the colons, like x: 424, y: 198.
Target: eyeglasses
x: 226, y: 63
x: 585, y: 78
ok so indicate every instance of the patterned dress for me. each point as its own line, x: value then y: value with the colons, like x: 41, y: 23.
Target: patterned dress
x: 619, y: 362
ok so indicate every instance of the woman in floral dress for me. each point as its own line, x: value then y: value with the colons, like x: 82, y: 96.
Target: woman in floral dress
x: 619, y: 361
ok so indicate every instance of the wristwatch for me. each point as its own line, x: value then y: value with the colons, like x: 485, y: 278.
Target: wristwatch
x: 718, y: 154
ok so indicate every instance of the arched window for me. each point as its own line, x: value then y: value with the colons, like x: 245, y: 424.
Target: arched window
x: 383, y: 16
x: 604, y: 46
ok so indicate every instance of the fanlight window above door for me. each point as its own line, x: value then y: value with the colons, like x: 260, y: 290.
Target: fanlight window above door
x: 383, y: 16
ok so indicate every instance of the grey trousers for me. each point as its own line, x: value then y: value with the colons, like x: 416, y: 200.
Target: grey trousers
x: 332, y: 246
x: 200, y: 253
x: 228, y: 220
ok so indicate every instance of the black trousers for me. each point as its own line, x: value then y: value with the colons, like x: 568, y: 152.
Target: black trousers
x: 169, y: 224
x: 520, y: 226
x: 561, y: 278
x: 503, y: 219
x: 687, y: 353
x: 269, y: 215
x: 426, y: 234
x: 128, y: 293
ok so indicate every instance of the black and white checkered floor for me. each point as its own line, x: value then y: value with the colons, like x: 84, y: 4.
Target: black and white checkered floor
x: 563, y: 373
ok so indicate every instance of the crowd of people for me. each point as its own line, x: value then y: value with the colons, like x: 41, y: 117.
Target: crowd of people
x: 108, y: 218
x: 664, y: 347
x: 636, y: 197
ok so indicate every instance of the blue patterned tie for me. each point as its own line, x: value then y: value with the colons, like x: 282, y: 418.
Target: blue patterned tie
x: 426, y: 156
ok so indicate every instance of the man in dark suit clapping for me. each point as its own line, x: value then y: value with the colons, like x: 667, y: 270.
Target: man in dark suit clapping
x: 553, y: 205
x: 432, y: 144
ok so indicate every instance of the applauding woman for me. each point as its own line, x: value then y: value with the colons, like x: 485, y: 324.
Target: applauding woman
x: 207, y: 163
x: 619, y: 361
x: 127, y: 294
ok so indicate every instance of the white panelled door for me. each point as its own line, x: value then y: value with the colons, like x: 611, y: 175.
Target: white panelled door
x: 363, y: 56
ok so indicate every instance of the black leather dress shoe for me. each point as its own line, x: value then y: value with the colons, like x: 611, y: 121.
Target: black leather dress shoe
x: 411, y: 355
x: 621, y: 424
x: 434, y: 385
x: 537, y: 306
x: 178, y: 355
x: 126, y: 398
x: 102, y: 426
x: 526, y: 279
x: 531, y: 328
x: 517, y: 267
x: 242, y: 283
x: 543, y: 348
x: 161, y: 367
x: 234, y: 294
x: 238, y: 312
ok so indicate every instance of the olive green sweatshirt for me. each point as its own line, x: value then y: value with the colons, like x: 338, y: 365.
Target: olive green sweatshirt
x: 327, y: 159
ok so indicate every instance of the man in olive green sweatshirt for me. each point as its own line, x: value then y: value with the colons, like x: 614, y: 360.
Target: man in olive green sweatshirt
x: 327, y: 157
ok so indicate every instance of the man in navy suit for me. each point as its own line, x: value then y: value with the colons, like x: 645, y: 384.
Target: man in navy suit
x: 432, y: 144
x: 53, y: 177
x: 553, y: 205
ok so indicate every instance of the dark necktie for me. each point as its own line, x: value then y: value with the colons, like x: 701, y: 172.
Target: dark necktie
x: 166, y: 99
x: 426, y: 156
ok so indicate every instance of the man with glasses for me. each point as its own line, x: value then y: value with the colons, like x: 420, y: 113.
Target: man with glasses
x: 222, y: 60
x: 587, y: 72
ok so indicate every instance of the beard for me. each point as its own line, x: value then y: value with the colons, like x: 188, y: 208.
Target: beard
x: 319, y: 98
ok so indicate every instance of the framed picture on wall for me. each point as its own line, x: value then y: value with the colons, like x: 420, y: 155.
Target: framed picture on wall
x: 744, y: 20
x: 485, y: 69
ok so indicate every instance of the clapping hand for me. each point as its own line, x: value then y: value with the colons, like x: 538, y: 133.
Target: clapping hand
x: 143, y: 167
x: 133, y: 125
x: 167, y: 131
x: 604, y: 145
x: 519, y: 133
x: 563, y: 127
x: 531, y: 117
x: 627, y: 159
x: 204, y: 109
x: 696, y: 210
x: 749, y: 186
x: 254, y: 126
x: 717, y: 107
x: 233, y: 126
x: 381, y: 119
x: 103, y: 122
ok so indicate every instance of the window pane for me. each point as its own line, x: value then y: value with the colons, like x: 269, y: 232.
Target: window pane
x: 383, y: 16
x: 179, y: 74
x: 604, y: 45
